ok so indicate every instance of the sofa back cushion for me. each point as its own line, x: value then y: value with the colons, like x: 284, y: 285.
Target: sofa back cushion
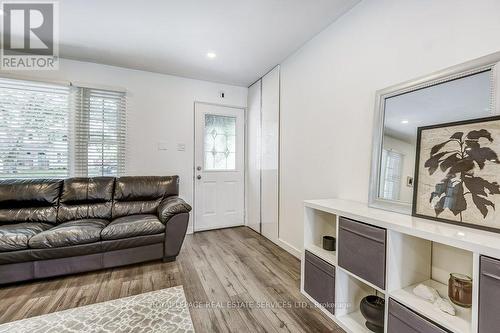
x: 86, y: 198
x: 29, y: 200
x: 142, y: 195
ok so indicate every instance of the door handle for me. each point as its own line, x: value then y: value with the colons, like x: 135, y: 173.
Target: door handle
x: 198, y: 177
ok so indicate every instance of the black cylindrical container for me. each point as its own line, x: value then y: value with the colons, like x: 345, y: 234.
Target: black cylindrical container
x: 329, y: 243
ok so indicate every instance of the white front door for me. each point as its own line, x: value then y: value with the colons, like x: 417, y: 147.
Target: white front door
x: 219, y: 167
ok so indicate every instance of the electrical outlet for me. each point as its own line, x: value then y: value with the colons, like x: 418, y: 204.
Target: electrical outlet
x: 162, y: 145
x: 181, y: 147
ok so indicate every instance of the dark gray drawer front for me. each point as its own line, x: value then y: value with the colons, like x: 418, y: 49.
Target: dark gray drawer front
x: 403, y: 320
x: 320, y: 263
x: 319, y: 281
x: 489, y: 295
x: 362, y: 250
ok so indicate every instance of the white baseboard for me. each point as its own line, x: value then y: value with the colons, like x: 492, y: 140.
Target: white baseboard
x: 284, y: 245
x: 281, y: 243
x: 190, y: 228
x: 221, y: 226
x: 289, y: 248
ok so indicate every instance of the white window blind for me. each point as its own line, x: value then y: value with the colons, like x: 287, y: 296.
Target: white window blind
x: 100, y: 132
x: 392, y: 164
x: 56, y: 131
x: 34, y: 130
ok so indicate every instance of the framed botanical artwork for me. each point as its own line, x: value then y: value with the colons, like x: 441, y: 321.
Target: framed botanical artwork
x: 457, y: 173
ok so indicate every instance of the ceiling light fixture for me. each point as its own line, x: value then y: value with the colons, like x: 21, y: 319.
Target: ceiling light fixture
x: 404, y: 121
x: 211, y: 55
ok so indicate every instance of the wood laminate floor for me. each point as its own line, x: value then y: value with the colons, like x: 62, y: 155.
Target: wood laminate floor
x: 234, y: 279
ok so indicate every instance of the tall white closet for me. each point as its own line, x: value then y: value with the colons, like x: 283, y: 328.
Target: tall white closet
x: 253, y: 174
x: 263, y: 155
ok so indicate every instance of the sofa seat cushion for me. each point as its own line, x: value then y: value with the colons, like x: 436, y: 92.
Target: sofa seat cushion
x: 133, y: 225
x: 69, y: 233
x: 14, y: 237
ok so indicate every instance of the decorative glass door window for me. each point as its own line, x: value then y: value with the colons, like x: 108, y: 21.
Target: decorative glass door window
x: 220, y: 142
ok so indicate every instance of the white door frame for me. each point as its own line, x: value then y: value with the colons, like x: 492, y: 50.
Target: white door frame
x: 244, y: 109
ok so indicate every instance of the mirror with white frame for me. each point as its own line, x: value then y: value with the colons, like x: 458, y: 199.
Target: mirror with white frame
x: 463, y: 92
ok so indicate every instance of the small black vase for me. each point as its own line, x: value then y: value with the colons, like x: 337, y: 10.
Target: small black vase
x: 329, y: 243
x: 372, y: 308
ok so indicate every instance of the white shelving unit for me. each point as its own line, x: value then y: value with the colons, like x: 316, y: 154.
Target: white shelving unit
x: 328, y: 256
x: 355, y: 321
x: 461, y: 323
x: 349, y: 291
x: 417, y: 251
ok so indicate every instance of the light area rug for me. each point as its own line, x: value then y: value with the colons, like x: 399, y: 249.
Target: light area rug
x: 164, y: 310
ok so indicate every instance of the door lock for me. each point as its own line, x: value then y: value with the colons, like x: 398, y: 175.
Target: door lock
x: 198, y: 168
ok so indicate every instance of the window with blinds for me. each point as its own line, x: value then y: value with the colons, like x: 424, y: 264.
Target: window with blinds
x: 34, y: 130
x: 99, y: 132
x: 57, y: 131
x: 392, y: 164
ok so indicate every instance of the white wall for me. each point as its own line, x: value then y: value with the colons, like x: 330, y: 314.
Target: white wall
x: 160, y: 108
x: 328, y: 89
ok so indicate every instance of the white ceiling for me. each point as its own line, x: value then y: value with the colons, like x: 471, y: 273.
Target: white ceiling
x: 173, y: 36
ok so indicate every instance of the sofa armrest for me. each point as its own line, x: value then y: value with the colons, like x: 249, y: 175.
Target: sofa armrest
x: 170, y: 207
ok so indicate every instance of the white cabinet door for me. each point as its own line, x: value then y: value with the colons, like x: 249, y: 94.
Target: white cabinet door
x: 270, y: 153
x: 253, y: 157
x: 262, y: 196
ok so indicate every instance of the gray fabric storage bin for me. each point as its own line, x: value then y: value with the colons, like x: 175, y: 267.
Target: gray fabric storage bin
x: 403, y: 320
x: 489, y: 295
x: 361, y: 250
x: 319, y: 281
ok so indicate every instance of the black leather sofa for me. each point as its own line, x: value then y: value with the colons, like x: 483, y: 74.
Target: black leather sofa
x: 57, y: 227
